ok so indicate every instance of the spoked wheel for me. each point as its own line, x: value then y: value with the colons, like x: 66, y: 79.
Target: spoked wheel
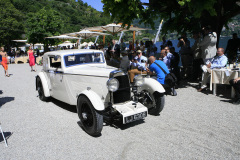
x: 154, y: 102
x: 91, y: 120
x: 40, y: 90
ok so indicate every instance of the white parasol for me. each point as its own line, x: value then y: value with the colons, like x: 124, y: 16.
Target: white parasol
x: 21, y: 41
x: 85, y: 34
x: 112, y: 28
x: 62, y: 37
x: 66, y: 43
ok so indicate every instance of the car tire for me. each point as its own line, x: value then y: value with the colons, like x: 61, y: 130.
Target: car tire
x: 159, y: 104
x: 41, y: 90
x: 91, y: 120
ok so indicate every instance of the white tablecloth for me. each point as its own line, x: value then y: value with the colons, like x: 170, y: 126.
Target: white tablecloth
x: 222, y: 76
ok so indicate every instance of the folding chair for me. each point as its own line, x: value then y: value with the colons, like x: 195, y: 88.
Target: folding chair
x: 3, y: 135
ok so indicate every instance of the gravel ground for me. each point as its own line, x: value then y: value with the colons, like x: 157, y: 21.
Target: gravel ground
x: 192, y: 125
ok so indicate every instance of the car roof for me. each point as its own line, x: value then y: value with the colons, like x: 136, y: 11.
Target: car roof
x: 71, y: 51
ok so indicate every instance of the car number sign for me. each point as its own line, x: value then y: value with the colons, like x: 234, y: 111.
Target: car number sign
x: 135, y: 117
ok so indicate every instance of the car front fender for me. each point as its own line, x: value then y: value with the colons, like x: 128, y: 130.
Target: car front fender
x: 94, y: 99
x: 151, y: 85
x: 46, y: 90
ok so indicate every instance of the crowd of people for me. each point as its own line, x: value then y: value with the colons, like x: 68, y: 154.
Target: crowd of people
x: 143, y: 58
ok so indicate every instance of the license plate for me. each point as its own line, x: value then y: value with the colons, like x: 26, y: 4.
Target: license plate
x: 135, y: 117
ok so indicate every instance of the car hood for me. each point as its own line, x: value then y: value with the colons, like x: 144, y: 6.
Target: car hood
x: 91, y: 70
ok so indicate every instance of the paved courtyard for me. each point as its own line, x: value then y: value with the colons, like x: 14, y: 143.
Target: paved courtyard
x: 192, y: 125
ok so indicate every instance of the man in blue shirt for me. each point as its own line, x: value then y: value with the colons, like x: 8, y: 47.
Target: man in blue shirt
x: 218, y: 61
x: 155, y: 68
x: 140, y: 62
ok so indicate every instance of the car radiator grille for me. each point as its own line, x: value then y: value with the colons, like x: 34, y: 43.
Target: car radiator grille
x: 123, y: 93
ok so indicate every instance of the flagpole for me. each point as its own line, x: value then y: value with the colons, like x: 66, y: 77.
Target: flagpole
x: 160, y: 27
x: 120, y: 37
x: 96, y: 39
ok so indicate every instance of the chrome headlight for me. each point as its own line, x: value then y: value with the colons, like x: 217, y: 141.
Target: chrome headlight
x: 138, y: 80
x: 112, y: 84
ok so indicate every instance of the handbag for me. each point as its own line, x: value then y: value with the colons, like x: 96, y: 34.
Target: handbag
x: 170, y: 78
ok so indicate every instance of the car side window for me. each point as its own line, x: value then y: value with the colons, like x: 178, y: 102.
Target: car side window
x: 77, y: 59
x: 55, y: 62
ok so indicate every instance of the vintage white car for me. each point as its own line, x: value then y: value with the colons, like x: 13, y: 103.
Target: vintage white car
x: 100, y: 92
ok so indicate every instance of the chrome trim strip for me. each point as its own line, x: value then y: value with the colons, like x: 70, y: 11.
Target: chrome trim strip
x: 80, y: 74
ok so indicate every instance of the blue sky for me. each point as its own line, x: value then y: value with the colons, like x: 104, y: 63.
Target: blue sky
x: 97, y: 4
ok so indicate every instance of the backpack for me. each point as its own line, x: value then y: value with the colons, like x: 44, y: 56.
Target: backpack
x: 170, y: 78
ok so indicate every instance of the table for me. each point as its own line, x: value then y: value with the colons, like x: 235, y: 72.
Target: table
x: 23, y: 59
x: 220, y: 76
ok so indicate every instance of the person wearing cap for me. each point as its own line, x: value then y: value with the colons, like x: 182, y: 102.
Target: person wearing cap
x: 140, y: 62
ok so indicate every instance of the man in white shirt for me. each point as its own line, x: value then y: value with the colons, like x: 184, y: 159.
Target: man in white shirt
x: 208, y: 44
x: 218, y: 61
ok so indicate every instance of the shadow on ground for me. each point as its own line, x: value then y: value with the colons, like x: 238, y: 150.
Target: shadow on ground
x: 4, y: 100
x: 120, y: 125
x: 63, y: 105
x: 81, y: 126
x: 6, y: 135
x: 223, y: 91
x: 116, y: 125
x: 182, y: 84
x: 129, y: 125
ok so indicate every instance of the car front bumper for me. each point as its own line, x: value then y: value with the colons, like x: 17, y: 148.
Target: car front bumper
x: 131, y: 111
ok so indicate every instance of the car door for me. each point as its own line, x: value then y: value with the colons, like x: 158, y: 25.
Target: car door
x: 56, y: 79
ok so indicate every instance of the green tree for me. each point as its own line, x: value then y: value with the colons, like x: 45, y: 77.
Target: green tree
x: 44, y: 23
x: 75, y: 15
x: 10, y: 23
x: 179, y: 15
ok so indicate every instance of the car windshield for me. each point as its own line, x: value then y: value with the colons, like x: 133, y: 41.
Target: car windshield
x: 86, y: 58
